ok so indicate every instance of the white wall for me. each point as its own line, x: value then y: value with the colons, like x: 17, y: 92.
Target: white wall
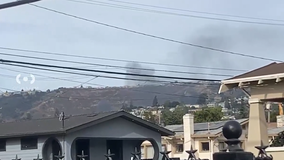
x: 13, y: 148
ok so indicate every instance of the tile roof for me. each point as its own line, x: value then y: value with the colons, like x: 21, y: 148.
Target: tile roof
x: 54, y: 126
x: 272, y: 68
x: 202, y: 128
x: 216, y: 127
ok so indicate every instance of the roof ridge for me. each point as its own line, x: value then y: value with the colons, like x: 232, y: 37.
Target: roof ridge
x: 273, y: 63
x: 41, y: 119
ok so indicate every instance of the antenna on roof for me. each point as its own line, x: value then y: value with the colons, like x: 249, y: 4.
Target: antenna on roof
x: 62, y: 118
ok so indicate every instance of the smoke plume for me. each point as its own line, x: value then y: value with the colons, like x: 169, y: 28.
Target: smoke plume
x: 137, y: 68
x: 261, y: 41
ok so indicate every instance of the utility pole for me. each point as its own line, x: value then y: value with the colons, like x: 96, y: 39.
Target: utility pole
x: 16, y: 3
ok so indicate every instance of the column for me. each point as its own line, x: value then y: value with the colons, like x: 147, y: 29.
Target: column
x: 257, y: 130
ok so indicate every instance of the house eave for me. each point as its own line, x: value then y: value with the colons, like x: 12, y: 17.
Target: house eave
x: 240, y: 82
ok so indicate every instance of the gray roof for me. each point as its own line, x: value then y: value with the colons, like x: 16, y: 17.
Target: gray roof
x: 275, y: 130
x: 49, y: 126
x: 202, y: 128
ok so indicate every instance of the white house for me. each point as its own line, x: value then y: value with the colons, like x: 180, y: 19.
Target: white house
x: 94, y: 134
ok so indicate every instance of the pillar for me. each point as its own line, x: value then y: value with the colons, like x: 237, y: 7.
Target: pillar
x: 257, y: 130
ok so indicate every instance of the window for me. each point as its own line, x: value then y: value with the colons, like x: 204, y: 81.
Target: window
x: 2, y: 144
x: 205, y: 146
x: 179, y: 148
x: 222, y: 145
x: 28, y: 143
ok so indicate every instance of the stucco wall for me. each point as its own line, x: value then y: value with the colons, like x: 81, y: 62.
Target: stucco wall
x: 276, y: 152
x: 13, y: 148
x: 118, y: 128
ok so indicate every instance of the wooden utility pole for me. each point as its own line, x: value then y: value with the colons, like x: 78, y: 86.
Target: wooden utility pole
x: 16, y: 3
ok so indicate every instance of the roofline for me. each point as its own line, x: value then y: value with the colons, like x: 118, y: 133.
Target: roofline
x: 239, y: 81
x: 152, y: 126
x: 255, y: 78
x: 19, y: 135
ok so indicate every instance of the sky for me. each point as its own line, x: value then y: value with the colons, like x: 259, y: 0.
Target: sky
x: 30, y: 28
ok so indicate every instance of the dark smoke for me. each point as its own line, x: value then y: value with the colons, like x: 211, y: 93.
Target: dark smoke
x: 135, y: 68
x: 263, y: 42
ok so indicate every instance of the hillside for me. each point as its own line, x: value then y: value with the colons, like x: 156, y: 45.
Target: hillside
x: 37, y: 104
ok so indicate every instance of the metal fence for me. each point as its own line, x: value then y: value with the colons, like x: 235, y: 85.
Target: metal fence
x: 232, y: 131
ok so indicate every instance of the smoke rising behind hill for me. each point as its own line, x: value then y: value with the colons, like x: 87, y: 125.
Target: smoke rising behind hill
x: 135, y: 68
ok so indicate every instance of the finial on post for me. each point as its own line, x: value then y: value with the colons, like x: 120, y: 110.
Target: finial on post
x: 232, y: 131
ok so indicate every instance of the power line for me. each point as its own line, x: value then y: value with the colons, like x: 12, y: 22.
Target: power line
x: 16, y: 3
x: 107, y: 72
x: 114, y: 66
x: 111, y: 77
x: 154, y: 36
x: 118, y: 60
x: 194, y: 11
x: 170, y: 13
x: 137, y: 90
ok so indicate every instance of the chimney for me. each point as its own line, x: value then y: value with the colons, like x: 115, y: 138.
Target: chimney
x: 188, y: 130
x: 280, y: 121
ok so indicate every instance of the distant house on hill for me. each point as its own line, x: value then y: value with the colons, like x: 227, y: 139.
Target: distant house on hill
x: 93, y: 135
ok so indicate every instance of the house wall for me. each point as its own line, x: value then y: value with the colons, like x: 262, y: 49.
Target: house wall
x: 13, y: 148
x: 117, y: 128
x: 276, y: 152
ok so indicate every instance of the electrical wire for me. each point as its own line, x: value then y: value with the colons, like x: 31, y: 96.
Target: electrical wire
x: 107, y: 72
x: 114, y: 66
x: 170, y: 13
x: 117, y: 60
x: 154, y: 36
x: 111, y: 77
x: 194, y: 11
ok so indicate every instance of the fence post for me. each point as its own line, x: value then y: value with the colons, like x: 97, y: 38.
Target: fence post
x: 38, y: 158
x: 17, y: 158
x: 109, y: 155
x: 136, y: 154
x: 82, y: 156
x: 166, y: 155
x: 59, y: 156
x: 232, y: 131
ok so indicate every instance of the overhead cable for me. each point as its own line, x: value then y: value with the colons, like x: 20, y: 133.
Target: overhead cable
x: 117, y: 60
x: 154, y: 36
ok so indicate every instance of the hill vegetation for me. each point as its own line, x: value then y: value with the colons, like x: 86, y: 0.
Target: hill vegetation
x: 38, y: 104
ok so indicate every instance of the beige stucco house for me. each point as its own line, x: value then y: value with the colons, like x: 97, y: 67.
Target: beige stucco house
x: 264, y: 84
x: 207, y: 138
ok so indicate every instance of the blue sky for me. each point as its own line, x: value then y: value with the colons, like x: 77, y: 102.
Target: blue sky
x: 31, y: 28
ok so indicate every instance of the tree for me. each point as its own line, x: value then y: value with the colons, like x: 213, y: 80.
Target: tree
x: 243, y: 112
x: 56, y: 112
x: 278, y: 141
x: 202, y: 99
x: 175, y: 117
x: 155, y: 102
x: 169, y: 104
x: 131, y: 104
x: 208, y: 115
x: 148, y: 115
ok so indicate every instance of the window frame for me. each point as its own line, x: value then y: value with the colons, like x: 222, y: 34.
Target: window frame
x: 29, y: 140
x: 5, y: 144
x: 201, y: 146
x: 177, y: 150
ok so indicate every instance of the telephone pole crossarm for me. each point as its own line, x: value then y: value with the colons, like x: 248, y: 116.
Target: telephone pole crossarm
x: 16, y: 3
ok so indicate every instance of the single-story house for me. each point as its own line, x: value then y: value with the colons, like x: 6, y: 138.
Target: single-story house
x: 92, y: 134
